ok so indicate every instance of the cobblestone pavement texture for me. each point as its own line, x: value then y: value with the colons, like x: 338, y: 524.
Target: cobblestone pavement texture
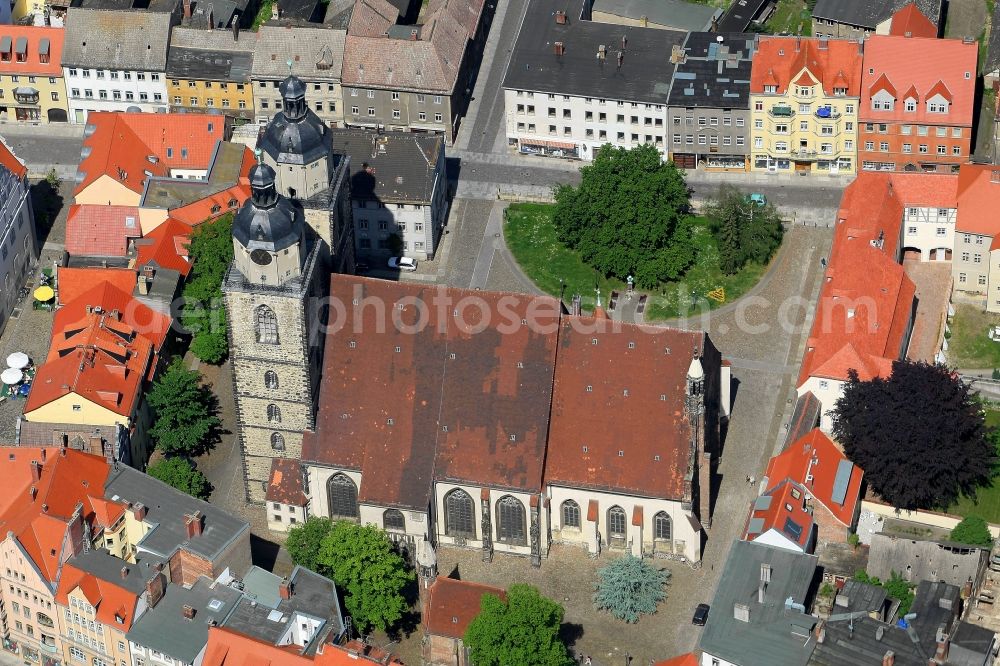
x: 933, y: 283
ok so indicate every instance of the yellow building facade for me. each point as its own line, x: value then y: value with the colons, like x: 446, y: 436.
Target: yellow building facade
x: 32, y: 88
x: 804, y: 98
x: 209, y: 71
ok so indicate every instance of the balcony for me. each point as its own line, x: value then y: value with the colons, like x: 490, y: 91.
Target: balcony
x: 806, y: 155
x: 781, y: 112
x: 827, y: 113
x: 25, y: 95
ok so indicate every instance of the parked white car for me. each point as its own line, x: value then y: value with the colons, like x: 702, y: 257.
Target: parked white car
x: 403, y: 263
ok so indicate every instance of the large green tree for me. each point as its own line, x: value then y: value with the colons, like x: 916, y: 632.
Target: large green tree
x: 305, y: 540
x: 210, y: 251
x: 372, y: 575
x: 627, y: 216
x: 182, y: 475
x: 629, y: 587
x: 919, y: 435
x: 745, y: 230
x: 184, y: 420
x: 521, y: 631
x: 974, y: 531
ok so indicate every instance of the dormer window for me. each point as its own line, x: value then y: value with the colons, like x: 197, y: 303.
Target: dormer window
x: 6, y: 45
x: 910, y: 104
x: 771, y: 89
x: 840, y: 92
x: 21, y: 49
x: 937, y: 107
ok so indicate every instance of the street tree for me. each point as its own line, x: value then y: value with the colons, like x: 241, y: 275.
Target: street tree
x: 629, y: 587
x: 522, y: 630
x: 363, y: 563
x: 306, y: 539
x: 973, y: 531
x: 182, y: 475
x: 745, y: 230
x: 919, y: 435
x: 184, y: 412
x: 210, y: 251
x: 627, y: 216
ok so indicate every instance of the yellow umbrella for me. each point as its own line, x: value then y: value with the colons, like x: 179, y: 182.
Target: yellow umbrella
x: 44, y: 294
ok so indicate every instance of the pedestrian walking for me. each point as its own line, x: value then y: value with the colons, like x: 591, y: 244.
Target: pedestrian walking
x: 753, y: 480
x: 588, y: 662
x: 748, y: 478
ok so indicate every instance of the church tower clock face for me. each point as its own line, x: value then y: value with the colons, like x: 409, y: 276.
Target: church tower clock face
x: 260, y: 257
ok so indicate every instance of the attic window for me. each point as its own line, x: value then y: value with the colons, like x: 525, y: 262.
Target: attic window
x: 663, y: 397
x: 524, y: 322
x: 625, y: 393
x: 513, y: 438
x: 586, y: 449
x: 184, y: 153
x: 656, y: 458
x: 399, y: 349
x: 788, y: 507
x: 593, y: 341
x: 389, y: 421
x: 444, y: 428
x: 452, y: 356
x: 216, y: 208
x: 352, y: 344
x: 520, y: 364
x: 590, y: 389
x: 871, y: 70
x: 170, y: 152
x: 211, y: 127
x: 666, y: 350
x: 621, y: 454
x: 399, y: 180
x: 968, y: 75
x: 631, y: 345
x: 454, y: 620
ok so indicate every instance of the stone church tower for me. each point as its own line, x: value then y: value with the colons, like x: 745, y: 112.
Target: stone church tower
x: 273, y: 291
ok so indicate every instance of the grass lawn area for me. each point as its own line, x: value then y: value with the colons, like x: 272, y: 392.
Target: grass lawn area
x: 969, y: 347
x: 987, y: 502
x: 531, y: 237
x: 791, y: 16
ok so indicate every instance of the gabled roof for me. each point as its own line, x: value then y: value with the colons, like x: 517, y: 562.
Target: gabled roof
x: 105, y: 296
x: 76, y: 281
x: 836, y: 63
x: 166, y: 246
x: 452, y: 605
x: 404, y: 168
x: 910, y: 22
x: 372, y: 18
x: 227, y: 647
x: 117, y: 39
x: 783, y: 510
x: 630, y: 370
x: 866, y: 302
x: 978, y: 193
x: 40, y: 43
x: 114, y: 606
x: 315, y: 52
x: 901, y: 60
x: 10, y: 161
x: 882, y: 83
x: 868, y: 14
x: 101, y: 231
x: 39, y: 521
x: 816, y: 464
x: 689, y: 659
x: 129, y: 147
x: 98, y: 358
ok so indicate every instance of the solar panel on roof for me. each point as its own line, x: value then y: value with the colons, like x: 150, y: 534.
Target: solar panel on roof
x: 762, y: 503
x: 841, y: 481
x: 756, y: 526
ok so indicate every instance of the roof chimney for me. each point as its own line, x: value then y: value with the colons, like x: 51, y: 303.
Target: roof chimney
x: 43, y: 455
x: 188, y: 612
x: 193, y: 524
x: 798, y: 44
x: 765, y: 578
x: 621, y: 58
x: 33, y: 491
x: 187, y: 10
x: 155, y: 587
x: 124, y: 573
x: 285, y: 589
x: 889, y: 658
x: 413, y: 34
x: 560, y: 17
x: 236, y: 29
x: 560, y: 48
x: 211, y: 18
x: 624, y: 42
x: 139, y: 511
x: 36, y: 471
x: 943, y: 644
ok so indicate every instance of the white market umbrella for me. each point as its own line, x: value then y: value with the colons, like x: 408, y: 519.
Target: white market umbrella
x: 18, y: 360
x: 11, y: 376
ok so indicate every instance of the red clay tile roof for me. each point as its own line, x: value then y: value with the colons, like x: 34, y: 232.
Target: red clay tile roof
x: 98, y: 358
x: 689, y: 659
x: 813, y: 462
x: 10, y: 161
x: 779, y: 60
x: 72, y: 282
x: 66, y: 478
x: 443, y: 403
x: 165, y: 247
x: 33, y: 65
x: 618, y: 420
x: 101, y: 231
x: 106, y: 512
x: 978, y: 194
x: 114, y: 606
x: 786, y: 515
x: 122, y: 143
x: 372, y: 18
x: 909, y: 21
x: 902, y: 61
x: 285, y: 484
x: 227, y: 647
x: 148, y: 323
x: 866, y: 302
x: 452, y: 605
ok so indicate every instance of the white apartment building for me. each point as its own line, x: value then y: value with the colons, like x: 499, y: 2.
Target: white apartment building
x: 115, y: 60
x: 573, y: 85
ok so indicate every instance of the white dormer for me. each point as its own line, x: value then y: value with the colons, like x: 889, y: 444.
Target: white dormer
x: 937, y: 104
x: 883, y: 101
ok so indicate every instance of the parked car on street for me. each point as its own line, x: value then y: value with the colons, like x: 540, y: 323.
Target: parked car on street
x: 700, y: 615
x: 757, y: 199
x: 403, y: 263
